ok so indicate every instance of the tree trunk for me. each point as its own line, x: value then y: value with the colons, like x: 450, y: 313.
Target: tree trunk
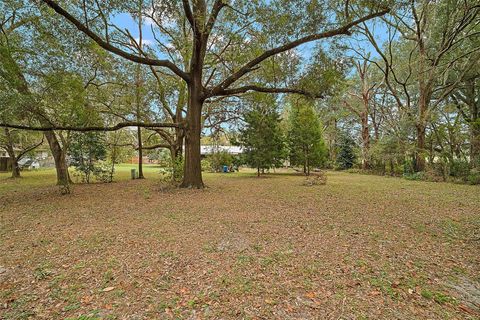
x: 420, y: 152
x: 11, y: 153
x: 15, y: 168
x: 365, y: 141
x: 140, y: 154
x: 192, y: 175
x: 474, y: 106
x: 307, y: 163
x: 475, y: 144
x: 61, y: 167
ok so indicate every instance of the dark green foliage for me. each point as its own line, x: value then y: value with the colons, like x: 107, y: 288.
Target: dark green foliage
x: 219, y: 159
x: 87, y: 151
x: 346, y: 156
x: 262, y: 138
x: 459, y: 168
x: 305, y: 138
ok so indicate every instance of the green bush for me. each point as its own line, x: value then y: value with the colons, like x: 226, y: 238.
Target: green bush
x: 87, y: 152
x: 408, y: 168
x: 474, y: 177
x: 416, y: 176
x: 219, y: 159
x: 459, y: 169
x: 173, y: 172
x: 206, y: 165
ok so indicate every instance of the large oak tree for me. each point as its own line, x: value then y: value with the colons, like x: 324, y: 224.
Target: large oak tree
x: 227, y: 43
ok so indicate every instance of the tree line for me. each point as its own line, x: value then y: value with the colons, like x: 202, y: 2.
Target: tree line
x: 187, y: 68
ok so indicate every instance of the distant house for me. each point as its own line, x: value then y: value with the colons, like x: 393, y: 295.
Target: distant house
x: 5, y: 163
x: 233, y: 150
x: 39, y: 157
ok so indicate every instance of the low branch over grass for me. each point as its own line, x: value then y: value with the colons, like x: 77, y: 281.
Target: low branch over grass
x: 93, y: 128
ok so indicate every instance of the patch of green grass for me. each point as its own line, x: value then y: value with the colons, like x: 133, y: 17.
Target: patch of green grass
x: 42, y: 272
x: 451, y: 229
x: 71, y: 307
x: 19, y: 309
x: 419, y: 227
x: 384, y: 284
x: 209, y: 248
x: 237, y: 284
x: 438, y: 297
x: 244, y: 259
x: 108, y: 277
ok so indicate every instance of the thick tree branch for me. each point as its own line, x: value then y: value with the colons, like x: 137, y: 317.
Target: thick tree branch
x: 156, y: 146
x: 109, y: 47
x: 327, y: 34
x: 217, y: 7
x: 239, y: 90
x: 28, y: 149
x: 93, y: 128
x: 188, y: 12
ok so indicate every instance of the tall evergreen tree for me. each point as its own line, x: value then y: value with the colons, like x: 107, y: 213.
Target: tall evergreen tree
x: 346, y: 156
x: 263, y: 138
x: 307, y: 147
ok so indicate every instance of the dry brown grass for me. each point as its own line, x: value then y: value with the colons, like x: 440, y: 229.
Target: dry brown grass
x: 245, y: 248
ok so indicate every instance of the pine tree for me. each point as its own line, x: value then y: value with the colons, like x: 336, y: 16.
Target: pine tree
x: 262, y: 138
x: 346, y: 156
x: 307, y: 147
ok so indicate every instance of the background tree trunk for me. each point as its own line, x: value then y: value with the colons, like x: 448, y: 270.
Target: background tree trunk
x: 365, y: 141
x: 140, y: 154
x: 11, y: 153
x: 475, y: 144
x: 61, y: 167
x: 420, y: 149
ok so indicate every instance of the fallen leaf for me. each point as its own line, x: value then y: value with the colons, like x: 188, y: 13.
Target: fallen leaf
x: 107, y: 289
x: 466, y: 309
x: 86, y: 299
x: 375, y: 293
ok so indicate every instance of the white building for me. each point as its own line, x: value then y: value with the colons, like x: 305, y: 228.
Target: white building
x: 233, y: 150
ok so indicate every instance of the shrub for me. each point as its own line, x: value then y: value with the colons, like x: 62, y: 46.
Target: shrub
x: 474, y: 177
x: 459, y: 169
x: 416, y: 176
x: 219, y: 159
x: 86, y: 151
x: 206, y: 165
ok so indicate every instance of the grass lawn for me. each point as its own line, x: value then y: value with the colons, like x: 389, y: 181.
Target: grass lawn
x: 360, y: 247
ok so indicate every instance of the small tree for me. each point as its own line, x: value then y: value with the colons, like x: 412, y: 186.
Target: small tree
x: 86, y: 150
x: 346, y: 156
x: 262, y: 138
x: 305, y: 138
